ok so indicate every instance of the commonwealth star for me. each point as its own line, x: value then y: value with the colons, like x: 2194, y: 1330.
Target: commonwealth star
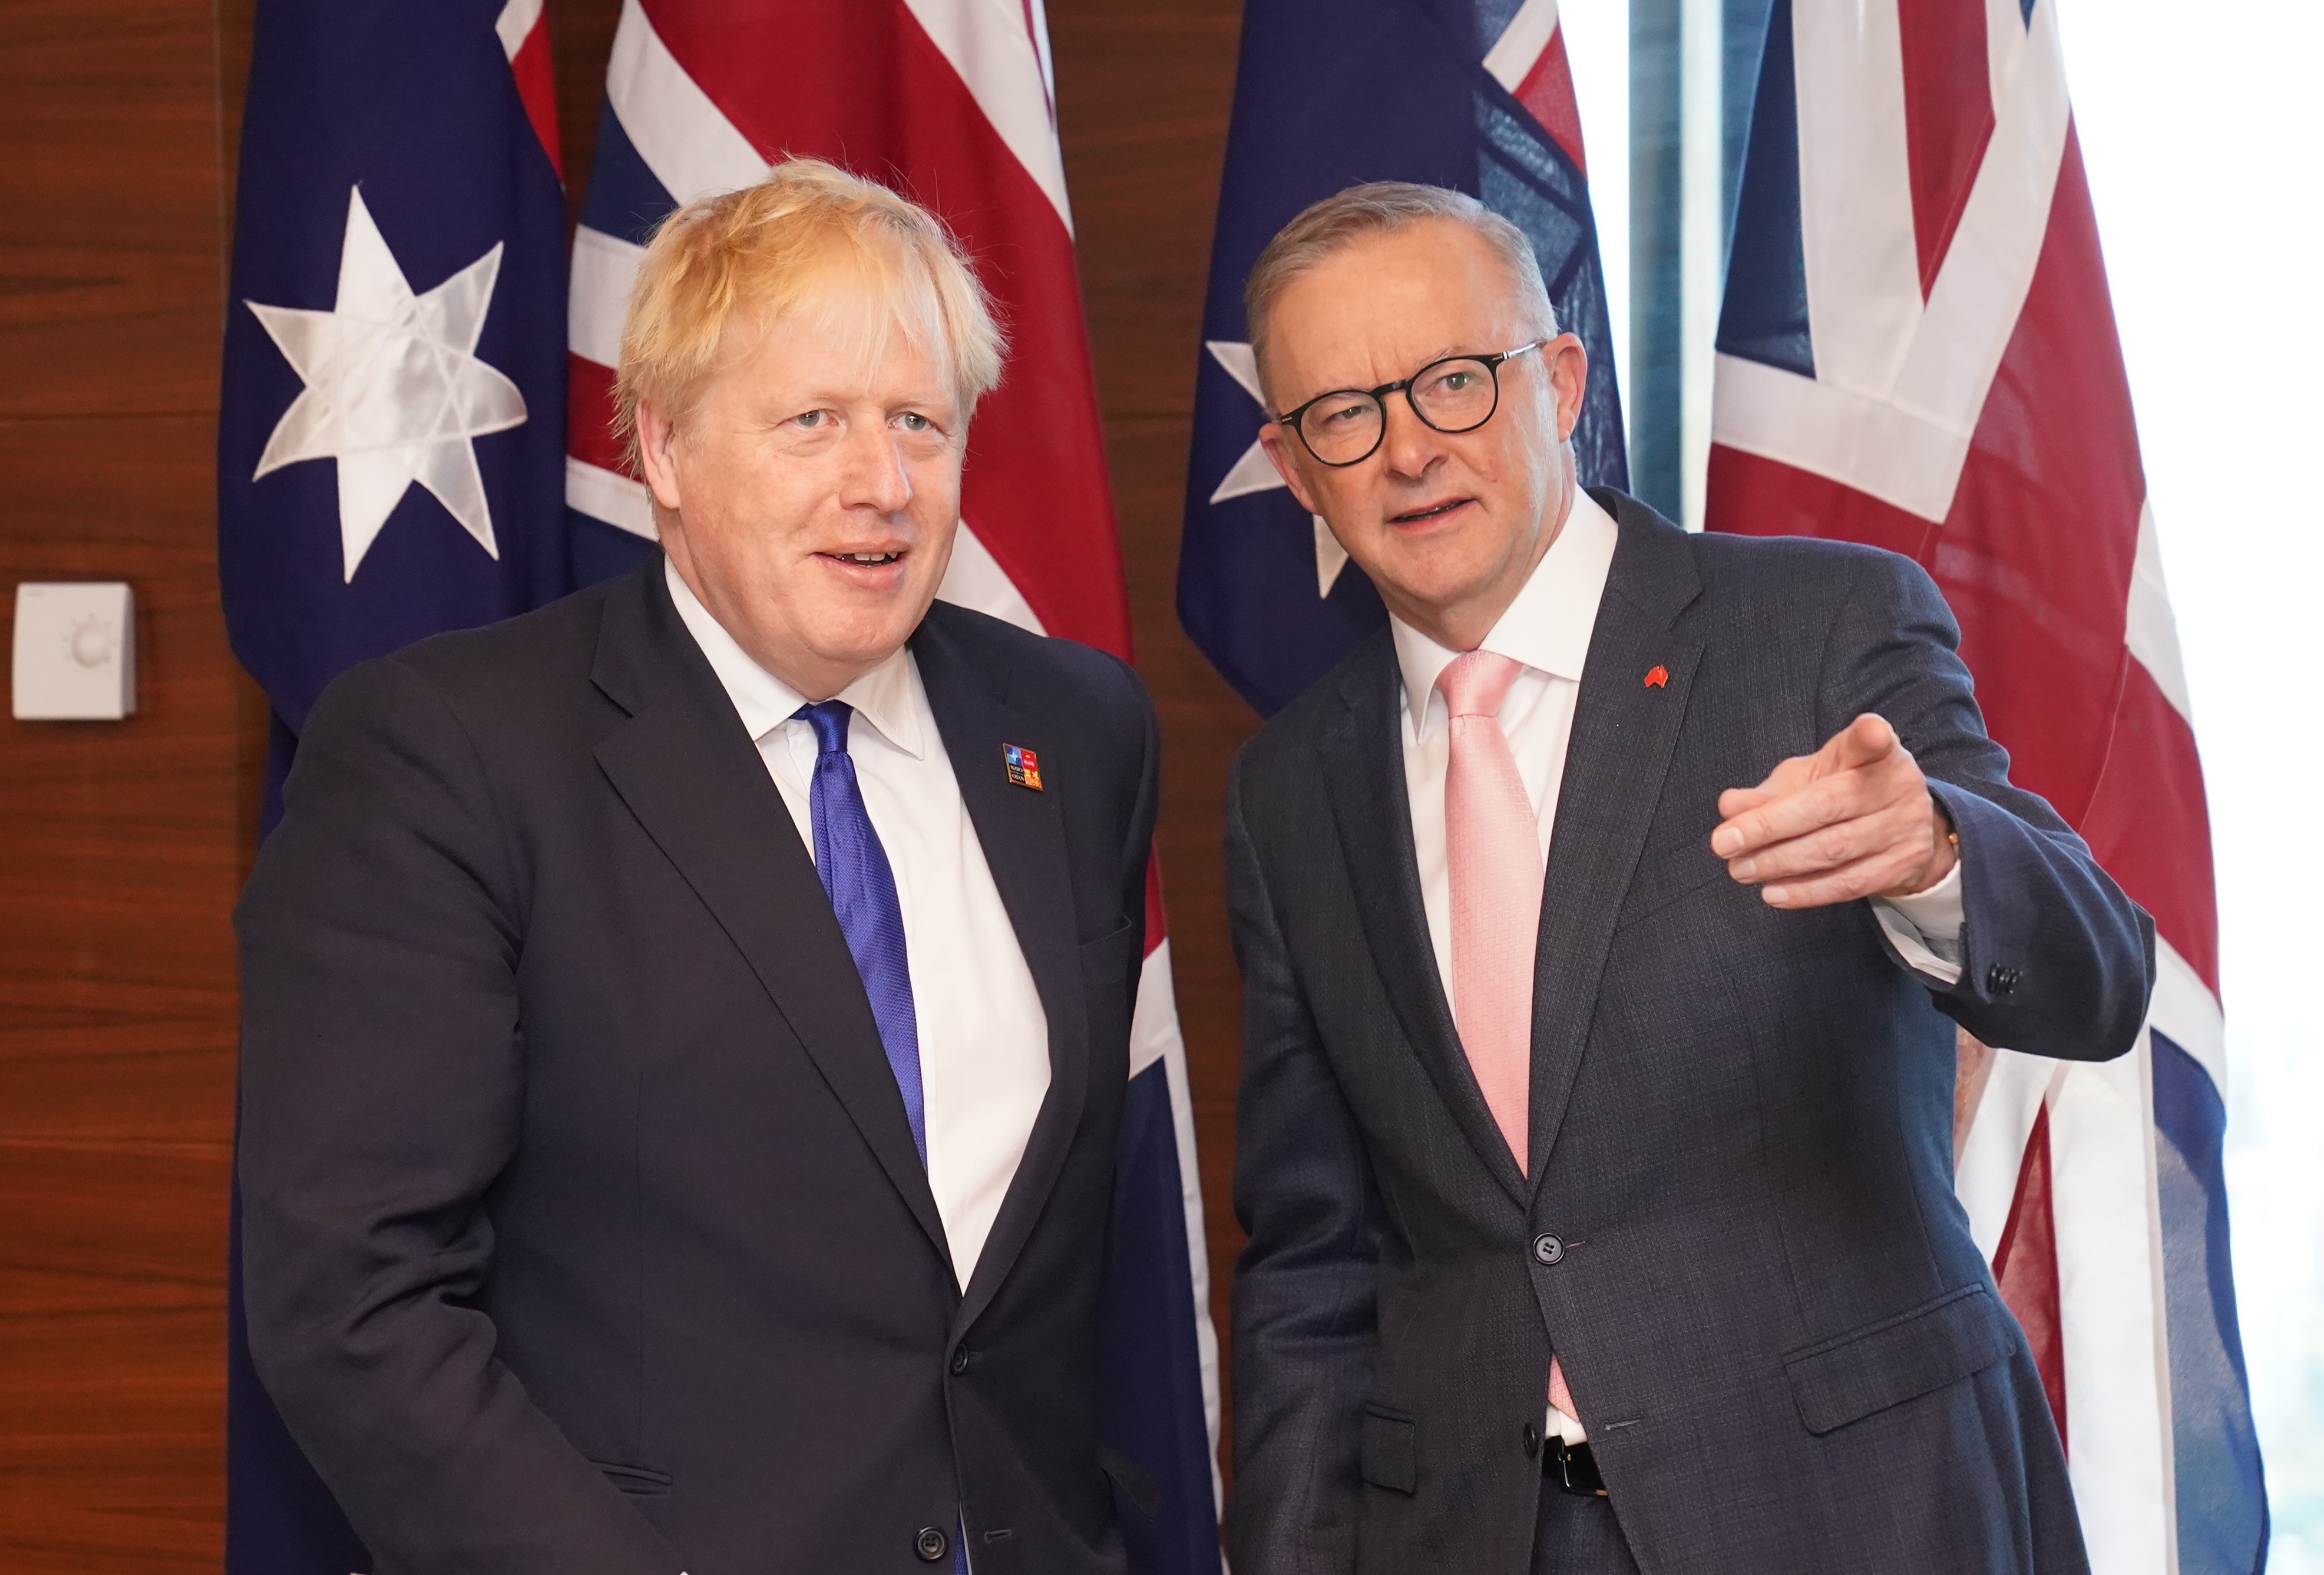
x: 394, y: 390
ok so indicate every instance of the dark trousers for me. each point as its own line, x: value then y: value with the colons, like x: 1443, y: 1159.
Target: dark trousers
x: 1573, y: 1535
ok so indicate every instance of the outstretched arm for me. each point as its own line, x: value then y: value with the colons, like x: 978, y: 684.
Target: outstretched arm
x: 2053, y: 958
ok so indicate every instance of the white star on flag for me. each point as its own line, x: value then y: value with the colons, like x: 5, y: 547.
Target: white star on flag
x: 1254, y: 472
x: 394, y: 390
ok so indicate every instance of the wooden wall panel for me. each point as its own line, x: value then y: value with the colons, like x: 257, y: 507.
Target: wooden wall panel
x: 1144, y: 87
x: 108, y: 207
x: 121, y: 844
x: 580, y: 42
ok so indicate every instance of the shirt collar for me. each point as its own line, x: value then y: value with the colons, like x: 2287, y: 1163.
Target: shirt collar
x: 1547, y: 627
x: 886, y: 696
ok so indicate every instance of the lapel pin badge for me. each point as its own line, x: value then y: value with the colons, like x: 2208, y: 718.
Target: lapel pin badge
x: 1024, y: 767
x: 1658, y: 676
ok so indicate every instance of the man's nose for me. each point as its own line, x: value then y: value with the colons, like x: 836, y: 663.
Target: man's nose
x: 1408, y: 445
x: 876, y: 477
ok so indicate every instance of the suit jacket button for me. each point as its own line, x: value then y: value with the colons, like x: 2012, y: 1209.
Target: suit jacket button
x: 2000, y: 980
x: 1548, y: 1249
x: 960, y: 1360
x: 931, y: 1544
x: 1532, y: 1441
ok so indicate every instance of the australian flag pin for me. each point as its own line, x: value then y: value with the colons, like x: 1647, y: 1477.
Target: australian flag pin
x: 1024, y: 767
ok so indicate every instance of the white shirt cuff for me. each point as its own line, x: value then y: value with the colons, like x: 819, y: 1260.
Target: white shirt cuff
x: 1925, y: 928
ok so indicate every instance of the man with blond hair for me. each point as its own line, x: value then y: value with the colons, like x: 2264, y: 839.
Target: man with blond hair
x: 686, y: 1028
x: 1605, y: 924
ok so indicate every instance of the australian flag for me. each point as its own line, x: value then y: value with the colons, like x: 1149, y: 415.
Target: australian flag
x: 391, y: 433
x: 392, y: 430
x: 1474, y: 95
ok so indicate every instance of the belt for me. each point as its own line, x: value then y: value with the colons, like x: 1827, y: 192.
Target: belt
x: 1573, y: 1468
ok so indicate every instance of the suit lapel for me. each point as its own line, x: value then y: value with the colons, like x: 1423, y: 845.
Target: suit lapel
x: 1363, y: 751
x: 694, y: 779
x: 1625, y: 730
x: 1022, y: 834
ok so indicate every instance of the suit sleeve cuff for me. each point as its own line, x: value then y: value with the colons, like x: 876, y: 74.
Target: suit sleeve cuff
x: 1925, y: 928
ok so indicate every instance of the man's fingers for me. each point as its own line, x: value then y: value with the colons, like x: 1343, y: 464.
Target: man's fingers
x: 1788, y: 777
x: 1849, y: 821
x: 1851, y: 775
x: 1791, y: 775
x: 1789, y: 815
x: 1864, y: 877
x: 1866, y: 741
x: 1836, y: 845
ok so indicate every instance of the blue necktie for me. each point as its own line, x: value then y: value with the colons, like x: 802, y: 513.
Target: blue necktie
x: 861, y: 887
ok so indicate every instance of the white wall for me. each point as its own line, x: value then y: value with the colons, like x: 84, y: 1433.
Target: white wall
x: 2201, y: 131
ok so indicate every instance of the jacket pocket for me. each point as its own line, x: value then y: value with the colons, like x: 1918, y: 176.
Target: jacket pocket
x: 1851, y: 1376
x: 1106, y: 959
x: 1667, y: 874
x: 1131, y: 1480
x: 1390, y: 1456
x: 637, y: 1481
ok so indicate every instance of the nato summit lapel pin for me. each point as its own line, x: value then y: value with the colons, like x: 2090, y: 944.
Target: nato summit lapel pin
x: 1658, y: 677
x: 1024, y: 767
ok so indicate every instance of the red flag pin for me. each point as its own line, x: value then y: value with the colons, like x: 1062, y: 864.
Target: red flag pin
x: 1658, y: 677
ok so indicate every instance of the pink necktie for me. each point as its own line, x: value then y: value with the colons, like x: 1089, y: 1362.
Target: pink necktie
x: 1492, y: 849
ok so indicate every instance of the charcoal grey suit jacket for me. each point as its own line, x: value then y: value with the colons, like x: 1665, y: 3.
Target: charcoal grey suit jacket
x: 583, y: 1229
x: 1740, y: 1233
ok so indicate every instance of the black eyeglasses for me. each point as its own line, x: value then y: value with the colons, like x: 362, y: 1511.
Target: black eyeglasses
x: 1458, y: 393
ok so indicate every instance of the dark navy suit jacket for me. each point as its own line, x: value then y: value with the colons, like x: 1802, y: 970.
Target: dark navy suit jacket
x: 1740, y: 1235
x: 582, y: 1223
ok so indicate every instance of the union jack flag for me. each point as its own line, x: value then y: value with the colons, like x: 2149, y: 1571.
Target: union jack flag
x: 949, y: 102
x: 1917, y: 350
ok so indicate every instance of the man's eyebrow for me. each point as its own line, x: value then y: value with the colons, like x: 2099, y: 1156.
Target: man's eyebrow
x: 816, y: 397
x: 1442, y: 353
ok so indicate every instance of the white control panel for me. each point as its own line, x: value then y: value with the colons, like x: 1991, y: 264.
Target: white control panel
x: 75, y: 655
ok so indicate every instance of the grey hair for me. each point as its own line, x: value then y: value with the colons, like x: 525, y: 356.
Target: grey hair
x: 1380, y: 208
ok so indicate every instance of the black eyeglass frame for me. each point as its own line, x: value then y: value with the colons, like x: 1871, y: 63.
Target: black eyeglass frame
x: 1492, y: 365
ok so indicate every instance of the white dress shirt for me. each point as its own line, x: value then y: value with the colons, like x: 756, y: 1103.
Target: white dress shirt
x: 984, y: 1038
x: 1547, y: 631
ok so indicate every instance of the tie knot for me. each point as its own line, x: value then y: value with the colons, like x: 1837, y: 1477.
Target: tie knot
x: 829, y: 721
x: 1476, y: 681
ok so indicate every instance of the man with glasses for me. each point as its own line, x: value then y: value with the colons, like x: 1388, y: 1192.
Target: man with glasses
x: 1605, y: 923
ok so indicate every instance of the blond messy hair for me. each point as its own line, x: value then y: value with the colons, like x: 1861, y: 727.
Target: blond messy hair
x: 726, y: 267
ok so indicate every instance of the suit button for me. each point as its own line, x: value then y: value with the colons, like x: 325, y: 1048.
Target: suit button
x: 1548, y: 1249
x: 931, y: 1544
x: 1532, y: 1441
x: 2000, y: 980
x: 960, y: 1360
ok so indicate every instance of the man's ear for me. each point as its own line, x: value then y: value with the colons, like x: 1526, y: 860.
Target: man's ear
x: 658, y: 454
x: 1278, y: 444
x: 1568, y: 365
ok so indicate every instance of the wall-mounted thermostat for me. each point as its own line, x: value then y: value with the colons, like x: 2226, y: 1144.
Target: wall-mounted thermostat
x: 76, y: 652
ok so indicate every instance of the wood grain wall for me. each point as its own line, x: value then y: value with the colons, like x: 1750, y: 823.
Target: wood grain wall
x: 122, y: 845
x: 1143, y: 92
